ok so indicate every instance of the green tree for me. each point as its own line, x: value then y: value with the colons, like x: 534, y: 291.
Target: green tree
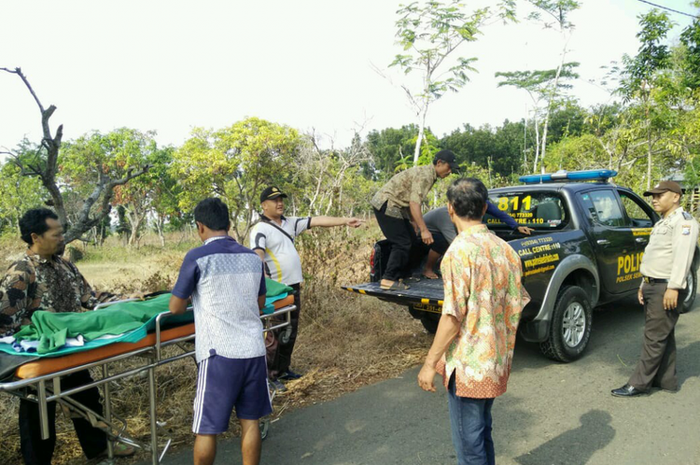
x: 642, y: 80
x: 388, y: 147
x: 429, y: 34
x: 545, y: 89
x: 235, y: 163
x: 545, y: 86
x: 17, y: 194
x: 690, y: 38
x: 165, y: 192
x: 321, y: 178
x: 86, y: 161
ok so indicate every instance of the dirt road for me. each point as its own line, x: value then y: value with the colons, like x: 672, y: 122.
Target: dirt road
x: 552, y: 413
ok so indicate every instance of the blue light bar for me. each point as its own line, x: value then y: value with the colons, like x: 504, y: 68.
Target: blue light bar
x: 564, y: 176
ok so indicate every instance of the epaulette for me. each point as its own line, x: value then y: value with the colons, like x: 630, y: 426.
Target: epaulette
x: 687, y: 216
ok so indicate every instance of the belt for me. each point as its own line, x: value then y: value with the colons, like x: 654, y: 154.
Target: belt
x: 649, y: 280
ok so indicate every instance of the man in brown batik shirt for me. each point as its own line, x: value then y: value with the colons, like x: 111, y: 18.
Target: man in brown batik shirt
x: 42, y: 280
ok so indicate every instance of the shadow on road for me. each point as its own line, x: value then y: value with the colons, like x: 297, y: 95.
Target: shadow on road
x: 613, y: 339
x: 688, y: 362
x: 576, y: 446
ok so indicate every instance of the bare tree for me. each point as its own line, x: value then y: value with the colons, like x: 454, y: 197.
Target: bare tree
x: 45, y: 167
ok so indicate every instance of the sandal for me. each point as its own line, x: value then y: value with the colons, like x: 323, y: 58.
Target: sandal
x: 413, y: 279
x: 396, y: 286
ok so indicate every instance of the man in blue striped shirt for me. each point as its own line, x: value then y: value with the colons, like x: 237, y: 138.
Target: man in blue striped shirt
x: 226, y: 283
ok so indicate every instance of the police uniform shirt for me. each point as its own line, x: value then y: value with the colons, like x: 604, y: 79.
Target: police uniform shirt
x: 281, y: 256
x: 669, y: 253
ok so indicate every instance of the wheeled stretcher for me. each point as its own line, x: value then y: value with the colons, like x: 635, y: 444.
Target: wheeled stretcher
x: 39, y: 380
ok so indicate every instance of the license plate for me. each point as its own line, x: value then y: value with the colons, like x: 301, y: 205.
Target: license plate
x: 428, y: 308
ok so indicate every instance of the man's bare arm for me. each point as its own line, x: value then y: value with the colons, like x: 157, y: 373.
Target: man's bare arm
x: 331, y: 221
x: 448, y: 329
x: 417, y: 216
x: 177, y: 306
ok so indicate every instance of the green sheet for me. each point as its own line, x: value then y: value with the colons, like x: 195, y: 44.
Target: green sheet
x: 52, y: 329
x: 153, y: 306
x: 275, y: 289
x: 130, y: 320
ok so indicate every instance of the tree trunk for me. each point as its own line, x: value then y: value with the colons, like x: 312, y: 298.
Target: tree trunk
x: 421, y: 132
x: 649, y: 147
x: 135, y: 221
x: 160, y: 225
x: 537, y: 144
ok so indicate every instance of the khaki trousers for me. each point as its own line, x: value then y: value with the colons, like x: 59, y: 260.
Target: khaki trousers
x: 657, y: 365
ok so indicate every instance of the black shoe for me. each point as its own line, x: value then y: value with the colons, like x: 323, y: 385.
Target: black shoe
x: 277, y: 385
x: 289, y: 375
x: 627, y: 391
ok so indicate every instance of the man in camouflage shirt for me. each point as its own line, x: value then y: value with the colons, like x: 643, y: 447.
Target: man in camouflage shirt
x: 42, y: 280
x: 398, y: 202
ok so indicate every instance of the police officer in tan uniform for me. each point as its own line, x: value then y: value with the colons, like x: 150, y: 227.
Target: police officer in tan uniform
x: 665, y: 265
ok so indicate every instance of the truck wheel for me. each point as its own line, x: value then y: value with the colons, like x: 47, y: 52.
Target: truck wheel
x: 692, y: 291
x: 570, y: 329
x: 430, y: 322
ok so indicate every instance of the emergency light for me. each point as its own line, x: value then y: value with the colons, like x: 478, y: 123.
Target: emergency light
x: 568, y: 176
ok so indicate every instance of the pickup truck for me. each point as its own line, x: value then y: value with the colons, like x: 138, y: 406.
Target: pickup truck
x: 585, y: 252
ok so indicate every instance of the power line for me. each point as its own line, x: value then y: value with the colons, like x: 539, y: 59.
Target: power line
x: 669, y: 9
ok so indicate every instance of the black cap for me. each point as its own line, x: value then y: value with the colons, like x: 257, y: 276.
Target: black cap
x: 448, y: 157
x: 271, y: 193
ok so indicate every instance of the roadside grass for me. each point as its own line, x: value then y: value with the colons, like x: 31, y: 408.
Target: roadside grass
x: 345, y: 341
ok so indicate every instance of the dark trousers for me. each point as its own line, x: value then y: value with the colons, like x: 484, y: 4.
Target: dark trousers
x: 281, y: 358
x: 39, y: 452
x: 440, y: 244
x: 657, y: 365
x: 401, y: 235
x: 471, y: 422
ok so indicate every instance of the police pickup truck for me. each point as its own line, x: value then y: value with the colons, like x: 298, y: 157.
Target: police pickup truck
x: 587, y: 245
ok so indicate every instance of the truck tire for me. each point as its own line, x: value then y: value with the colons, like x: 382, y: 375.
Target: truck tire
x: 570, y: 329
x: 430, y: 322
x: 692, y: 281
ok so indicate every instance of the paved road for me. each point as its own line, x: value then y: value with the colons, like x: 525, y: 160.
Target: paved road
x: 552, y: 413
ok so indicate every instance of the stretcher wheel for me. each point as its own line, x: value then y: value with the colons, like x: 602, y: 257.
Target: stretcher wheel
x: 285, y: 335
x: 264, y: 427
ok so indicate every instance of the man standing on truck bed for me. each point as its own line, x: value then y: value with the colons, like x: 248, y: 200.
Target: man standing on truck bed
x: 397, y: 203
x: 273, y: 240
x: 473, y: 346
x: 665, y: 265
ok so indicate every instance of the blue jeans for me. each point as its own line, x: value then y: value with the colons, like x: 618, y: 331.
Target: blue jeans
x: 471, y: 428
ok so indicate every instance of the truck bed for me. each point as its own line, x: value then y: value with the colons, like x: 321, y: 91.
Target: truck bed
x: 426, y: 291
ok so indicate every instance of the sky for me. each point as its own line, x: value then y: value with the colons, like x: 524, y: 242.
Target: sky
x: 170, y: 66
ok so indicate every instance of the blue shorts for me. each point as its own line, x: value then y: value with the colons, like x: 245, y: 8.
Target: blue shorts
x: 224, y: 383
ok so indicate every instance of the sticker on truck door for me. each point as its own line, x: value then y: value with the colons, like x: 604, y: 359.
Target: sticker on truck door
x: 628, y: 267
x: 537, y: 210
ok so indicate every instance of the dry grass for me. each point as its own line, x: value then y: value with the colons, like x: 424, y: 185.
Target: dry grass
x: 346, y: 341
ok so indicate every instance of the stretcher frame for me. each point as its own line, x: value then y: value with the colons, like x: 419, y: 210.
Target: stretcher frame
x: 48, y: 386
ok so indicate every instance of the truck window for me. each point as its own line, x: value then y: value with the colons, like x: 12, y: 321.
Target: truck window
x: 603, y: 208
x: 640, y: 218
x: 540, y: 210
